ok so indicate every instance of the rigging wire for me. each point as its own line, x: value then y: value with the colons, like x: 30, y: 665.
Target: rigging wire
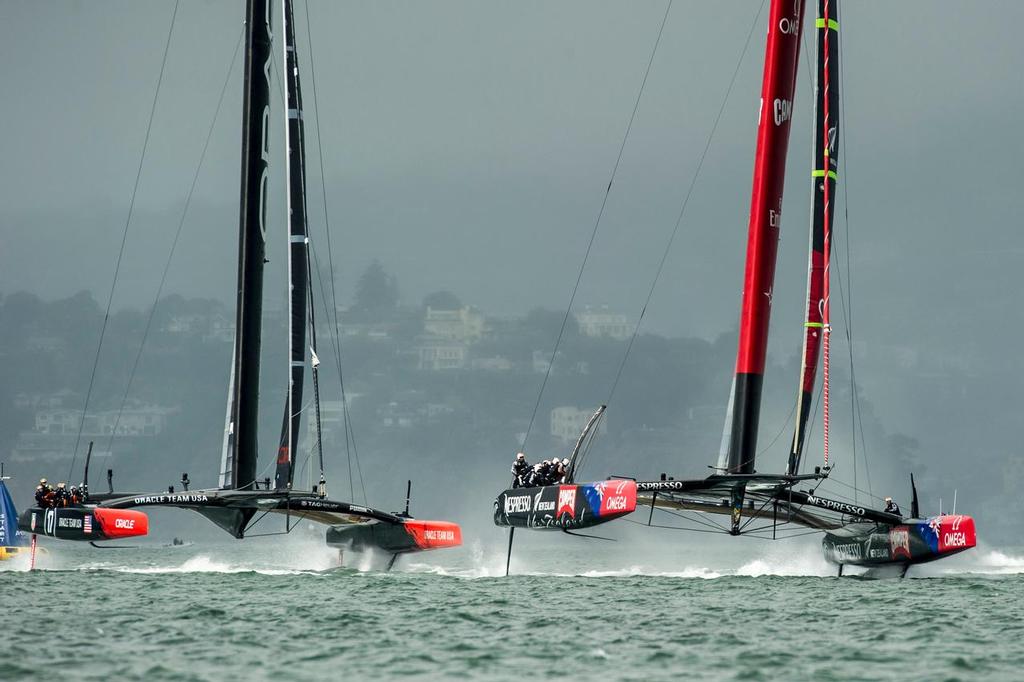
x: 682, y: 210
x: 679, y: 217
x: 352, y: 452
x: 124, y: 239
x: 856, y: 412
x: 597, y: 223
x: 174, y: 243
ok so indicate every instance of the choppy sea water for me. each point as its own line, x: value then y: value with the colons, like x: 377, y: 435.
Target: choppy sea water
x: 289, y: 612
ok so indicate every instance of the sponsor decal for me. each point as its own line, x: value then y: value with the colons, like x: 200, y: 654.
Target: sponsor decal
x: 65, y: 522
x: 566, y: 501
x: 320, y: 504
x: 789, y: 27
x: 955, y: 533
x: 549, y: 505
x: 954, y: 540
x: 126, y: 524
x: 282, y: 455
x: 448, y: 535
x: 615, y: 503
x: 835, y: 506
x: 899, y: 542
x: 847, y: 551
x: 517, y: 504
x: 617, y: 497
x: 648, y: 486
x: 782, y: 110
x: 87, y: 524
x: 171, y: 499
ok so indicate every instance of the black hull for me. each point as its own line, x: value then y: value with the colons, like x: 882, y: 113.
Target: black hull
x: 916, y: 541
x: 565, y: 507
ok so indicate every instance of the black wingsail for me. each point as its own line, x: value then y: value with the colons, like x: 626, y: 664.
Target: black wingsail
x: 238, y: 467
x: 298, y: 243
x: 825, y: 165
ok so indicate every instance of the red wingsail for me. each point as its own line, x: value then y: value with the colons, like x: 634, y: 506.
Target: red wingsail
x: 782, y: 51
x: 823, y: 181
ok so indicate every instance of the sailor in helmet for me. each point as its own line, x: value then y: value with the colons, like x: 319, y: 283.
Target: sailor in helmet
x: 42, y: 490
x: 520, y: 469
x: 558, y: 469
x: 891, y: 507
x: 537, y: 475
x: 61, y: 496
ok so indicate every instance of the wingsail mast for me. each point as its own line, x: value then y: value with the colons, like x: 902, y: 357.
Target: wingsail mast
x: 782, y: 49
x: 238, y: 466
x: 825, y: 167
x: 298, y: 244
x: 780, y: 66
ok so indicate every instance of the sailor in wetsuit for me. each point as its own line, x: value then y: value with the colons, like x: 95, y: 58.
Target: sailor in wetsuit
x: 537, y: 475
x: 61, y: 497
x: 891, y: 507
x: 520, y: 471
x: 44, y: 494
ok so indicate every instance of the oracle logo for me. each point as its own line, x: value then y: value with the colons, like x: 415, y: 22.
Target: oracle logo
x: 127, y: 524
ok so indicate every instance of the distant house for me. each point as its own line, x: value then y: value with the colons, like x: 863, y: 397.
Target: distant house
x: 437, y: 354
x: 410, y: 408
x: 464, y: 324
x: 142, y: 421
x: 497, y: 363
x: 603, y: 323
x: 567, y: 423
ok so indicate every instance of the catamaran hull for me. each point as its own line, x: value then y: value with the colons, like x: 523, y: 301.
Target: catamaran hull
x: 84, y: 523
x: 565, y: 507
x: 914, y: 542
x: 411, y: 535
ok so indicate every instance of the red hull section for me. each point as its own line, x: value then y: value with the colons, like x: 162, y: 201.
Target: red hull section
x: 121, y: 523
x: 434, y: 534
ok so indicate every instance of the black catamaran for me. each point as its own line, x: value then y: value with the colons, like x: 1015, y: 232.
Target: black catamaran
x: 757, y: 503
x: 239, y: 503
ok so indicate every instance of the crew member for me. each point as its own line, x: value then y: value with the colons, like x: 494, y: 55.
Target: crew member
x: 61, y: 498
x: 537, y: 475
x: 559, y: 471
x: 891, y: 507
x: 44, y: 494
x: 520, y: 469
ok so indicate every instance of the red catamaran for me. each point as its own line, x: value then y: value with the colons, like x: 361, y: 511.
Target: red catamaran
x: 758, y: 503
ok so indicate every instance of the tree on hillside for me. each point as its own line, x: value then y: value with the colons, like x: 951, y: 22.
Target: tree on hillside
x: 442, y: 300
x: 376, y: 291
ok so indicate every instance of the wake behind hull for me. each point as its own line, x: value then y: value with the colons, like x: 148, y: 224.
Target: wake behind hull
x: 916, y: 541
x: 565, y: 507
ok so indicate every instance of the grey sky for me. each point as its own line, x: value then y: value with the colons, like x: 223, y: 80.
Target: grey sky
x: 467, y: 145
